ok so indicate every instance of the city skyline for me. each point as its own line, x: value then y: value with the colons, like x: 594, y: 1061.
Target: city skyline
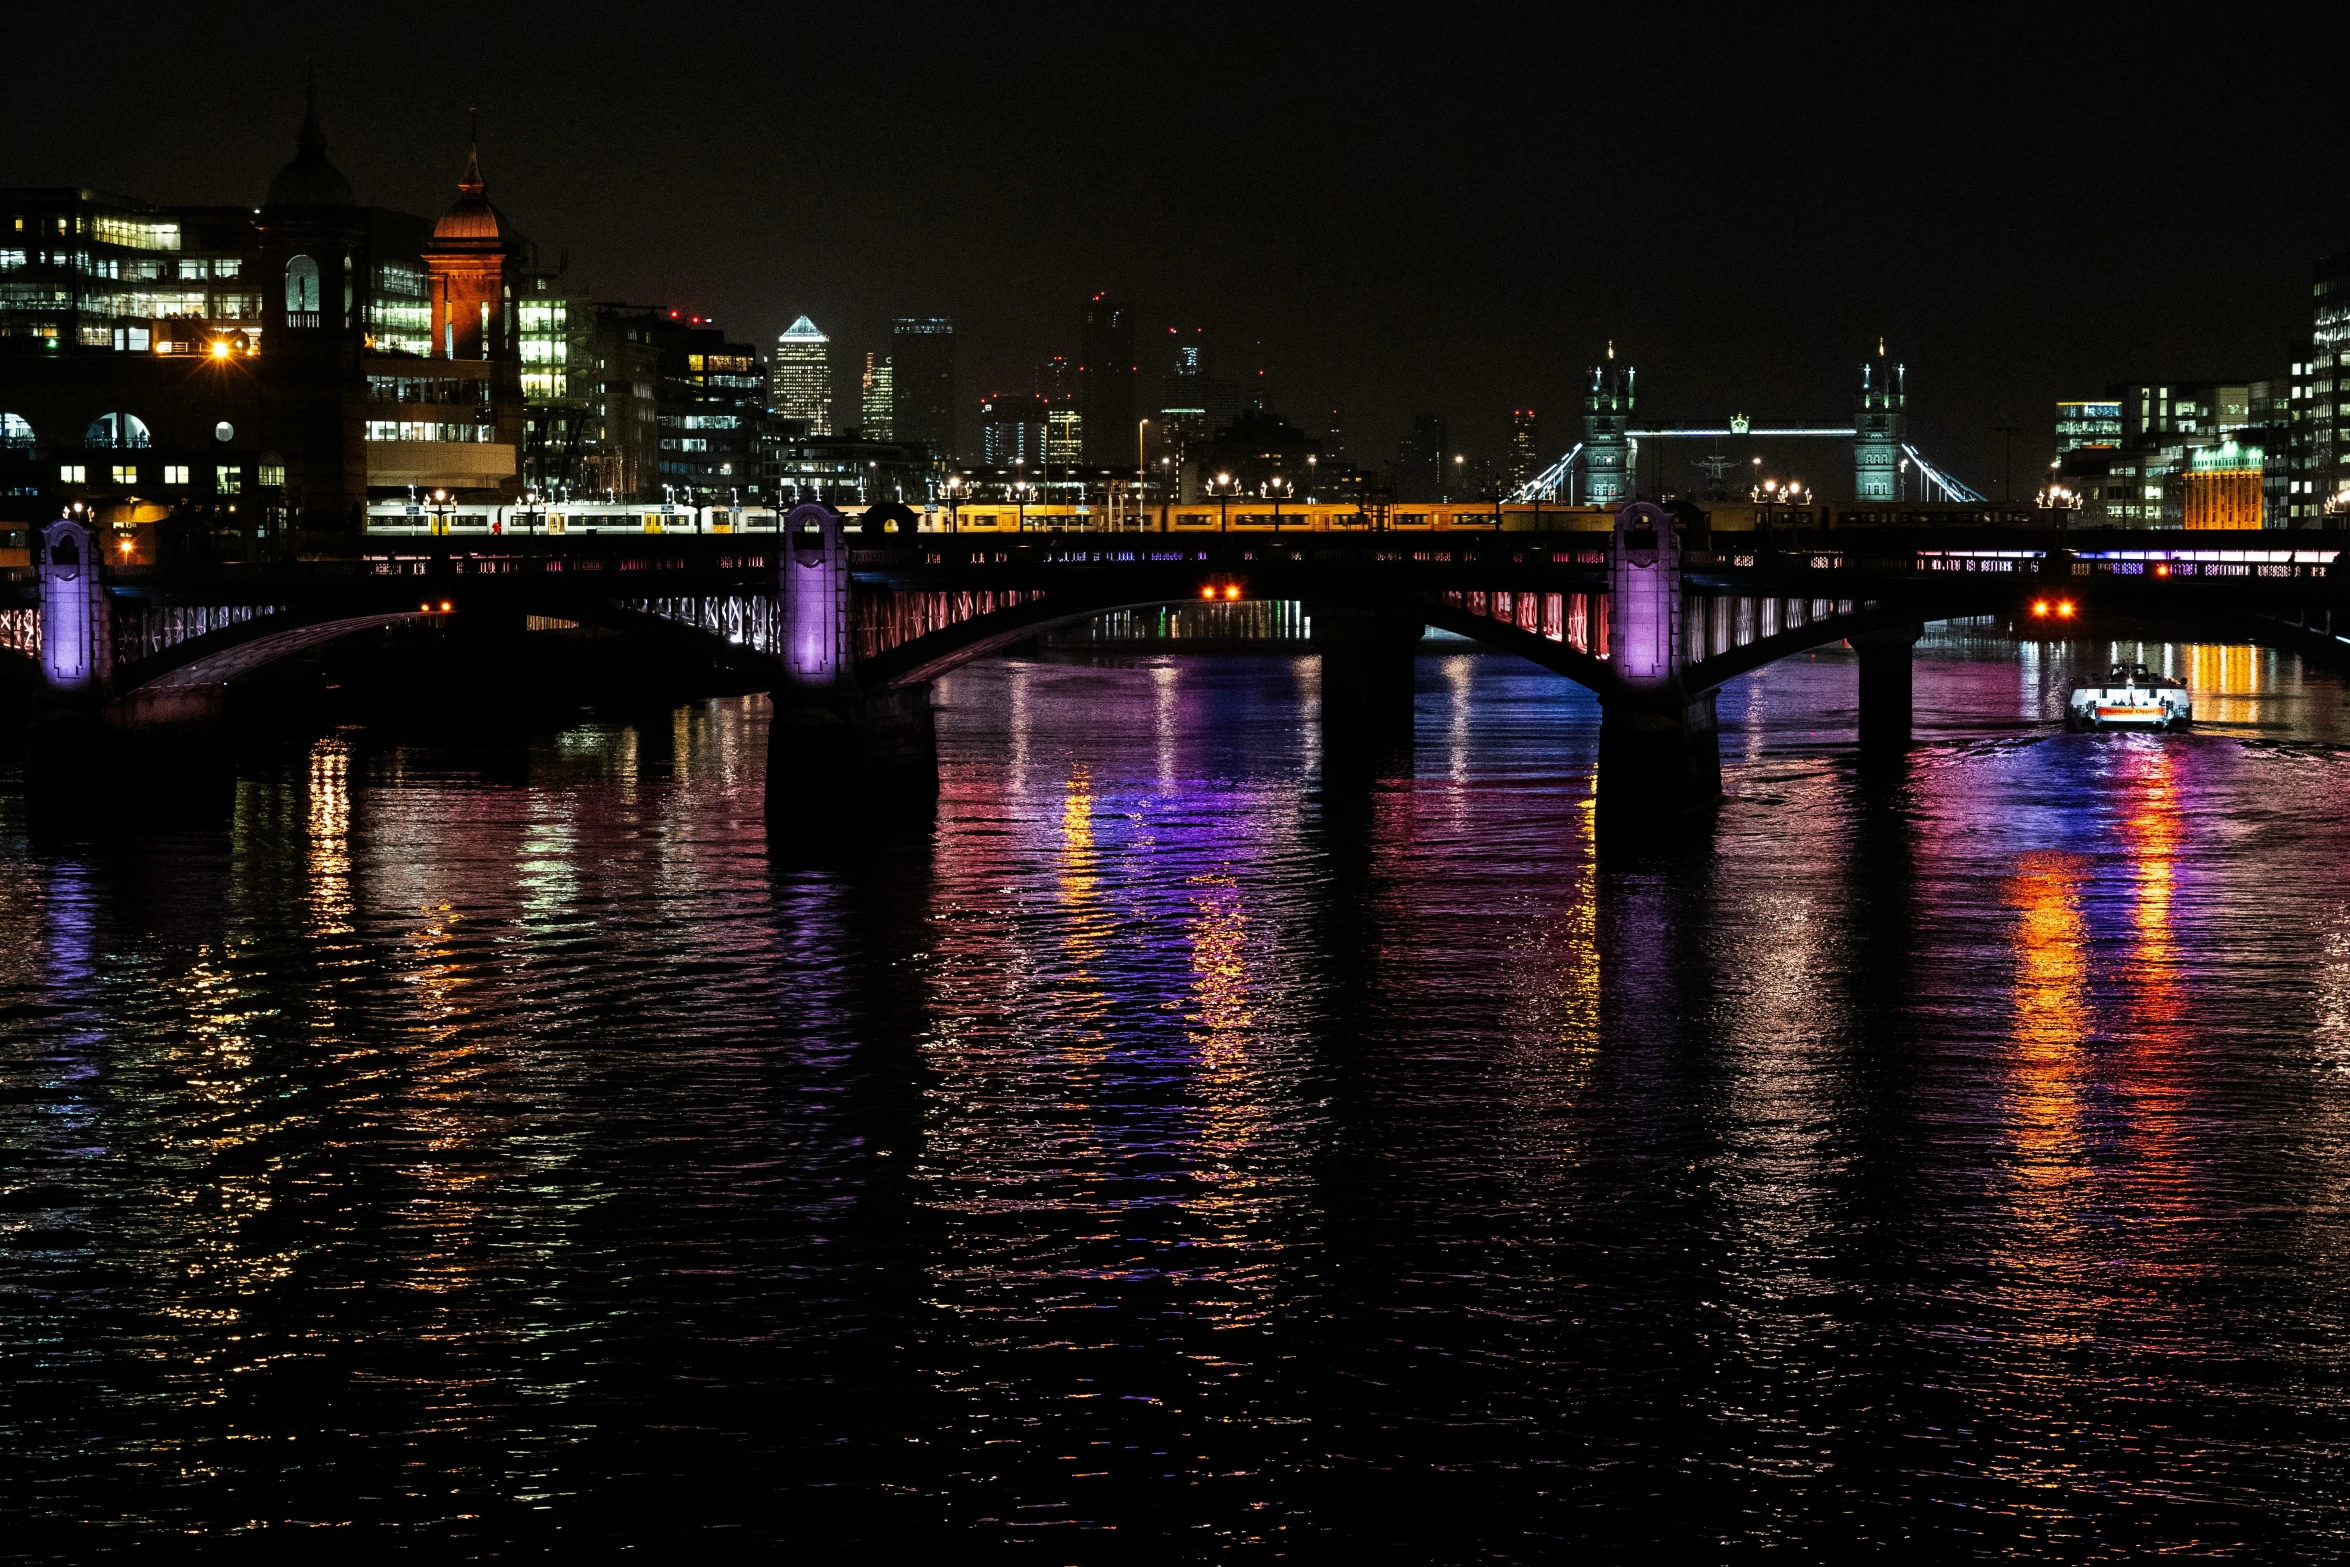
x: 1391, y: 262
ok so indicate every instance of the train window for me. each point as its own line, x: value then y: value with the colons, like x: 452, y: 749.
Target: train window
x: 1411, y: 519
x: 1195, y: 519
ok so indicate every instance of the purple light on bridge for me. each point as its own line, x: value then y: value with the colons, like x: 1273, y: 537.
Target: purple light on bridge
x: 815, y: 595
x: 76, y: 622
x: 1645, y: 589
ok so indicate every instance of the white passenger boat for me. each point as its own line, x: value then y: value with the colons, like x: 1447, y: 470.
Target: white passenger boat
x: 2130, y: 698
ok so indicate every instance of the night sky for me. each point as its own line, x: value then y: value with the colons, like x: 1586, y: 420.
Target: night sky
x: 1433, y: 209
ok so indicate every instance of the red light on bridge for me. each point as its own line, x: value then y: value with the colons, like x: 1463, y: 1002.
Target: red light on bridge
x: 1208, y: 591
x: 445, y: 607
x: 2064, y: 609
x: 1233, y: 591
x: 2040, y: 608
x: 2162, y: 570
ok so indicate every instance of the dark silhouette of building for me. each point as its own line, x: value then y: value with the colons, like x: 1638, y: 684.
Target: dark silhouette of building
x: 1106, y: 374
x: 922, y: 359
x: 1421, y: 458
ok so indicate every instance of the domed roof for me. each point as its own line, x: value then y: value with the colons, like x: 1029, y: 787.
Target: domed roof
x: 472, y: 217
x: 310, y: 181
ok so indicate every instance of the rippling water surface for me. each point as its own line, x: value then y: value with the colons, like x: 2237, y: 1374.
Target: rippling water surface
x: 1187, y: 1147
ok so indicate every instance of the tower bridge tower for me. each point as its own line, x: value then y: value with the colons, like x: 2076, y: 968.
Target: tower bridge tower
x: 1878, y: 430
x: 1607, y: 441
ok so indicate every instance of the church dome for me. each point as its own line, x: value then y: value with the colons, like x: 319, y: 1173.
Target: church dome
x: 472, y: 216
x: 310, y: 181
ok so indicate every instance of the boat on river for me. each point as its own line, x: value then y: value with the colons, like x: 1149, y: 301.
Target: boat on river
x: 2130, y: 698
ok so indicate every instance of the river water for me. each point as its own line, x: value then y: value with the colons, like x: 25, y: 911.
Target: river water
x: 491, y: 1144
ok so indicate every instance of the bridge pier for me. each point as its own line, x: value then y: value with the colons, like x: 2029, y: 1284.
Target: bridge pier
x: 1660, y: 758
x: 828, y: 739
x: 1369, y: 663
x: 1885, y: 696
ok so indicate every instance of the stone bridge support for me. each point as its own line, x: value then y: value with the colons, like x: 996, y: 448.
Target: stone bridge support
x: 1884, y: 696
x: 1659, y: 748
x: 1369, y: 662
x: 830, y: 742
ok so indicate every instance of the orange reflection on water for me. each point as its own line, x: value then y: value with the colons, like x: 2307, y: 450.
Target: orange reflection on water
x: 2156, y: 1089
x: 2052, y: 1014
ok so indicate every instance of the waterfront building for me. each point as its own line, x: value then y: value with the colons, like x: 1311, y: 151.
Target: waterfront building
x: 2328, y: 452
x: 2088, y: 422
x: 922, y: 357
x: 1106, y: 377
x: 876, y: 404
x: 239, y: 379
x: 1525, y: 449
x: 2221, y: 487
x: 800, y: 376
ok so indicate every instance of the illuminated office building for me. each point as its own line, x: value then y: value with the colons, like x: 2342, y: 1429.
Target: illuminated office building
x: 876, y: 402
x: 800, y: 377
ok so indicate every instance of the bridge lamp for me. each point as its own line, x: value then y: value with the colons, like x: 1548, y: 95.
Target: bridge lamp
x: 1233, y: 591
x: 1207, y: 590
x: 2064, y: 609
x: 2040, y: 608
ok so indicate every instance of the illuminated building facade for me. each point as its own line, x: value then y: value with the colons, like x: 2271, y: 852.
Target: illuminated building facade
x: 2221, y: 487
x: 2328, y: 373
x: 1012, y: 433
x: 235, y: 380
x: 1525, y: 450
x: 2088, y: 422
x: 876, y: 400
x: 800, y: 376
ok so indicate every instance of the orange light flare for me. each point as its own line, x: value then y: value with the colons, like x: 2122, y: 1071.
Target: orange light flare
x: 1233, y: 591
x: 2064, y: 609
x: 2040, y: 608
x: 1208, y: 591
x: 2163, y: 569
x: 446, y: 606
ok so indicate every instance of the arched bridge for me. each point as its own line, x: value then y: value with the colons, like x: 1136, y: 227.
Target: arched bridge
x: 848, y: 630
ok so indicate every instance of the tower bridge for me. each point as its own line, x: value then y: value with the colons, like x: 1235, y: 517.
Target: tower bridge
x: 1607, y: 460
x: 1653, y: 615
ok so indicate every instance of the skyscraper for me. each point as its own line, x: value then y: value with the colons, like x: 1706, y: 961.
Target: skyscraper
x: 1421, y: 458
x: 922, y: 362
x: 799, y: 382
x: 1105, y: 399
x: 1525, y: 448
x: 2329, y: 380
x: 876, y: 404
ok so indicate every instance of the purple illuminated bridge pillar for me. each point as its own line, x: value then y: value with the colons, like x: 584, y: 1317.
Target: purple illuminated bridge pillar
x: 831, y: 742
x: 77, y: 621
x: 1659, y: 754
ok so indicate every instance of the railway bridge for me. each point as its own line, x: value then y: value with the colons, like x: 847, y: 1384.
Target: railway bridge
x: 848, y: 631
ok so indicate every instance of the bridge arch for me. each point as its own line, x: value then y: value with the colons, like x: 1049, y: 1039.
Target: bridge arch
x: 929, y: 657
x: 185, y: 681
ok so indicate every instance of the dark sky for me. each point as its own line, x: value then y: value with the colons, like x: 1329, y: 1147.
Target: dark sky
x: 1436, y: 209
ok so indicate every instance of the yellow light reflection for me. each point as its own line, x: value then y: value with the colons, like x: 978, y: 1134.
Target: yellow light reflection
x: 2051, y: 1017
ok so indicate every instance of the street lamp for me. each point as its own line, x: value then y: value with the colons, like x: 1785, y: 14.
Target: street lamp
x: 1224, y: 490
x: 442, y: 506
